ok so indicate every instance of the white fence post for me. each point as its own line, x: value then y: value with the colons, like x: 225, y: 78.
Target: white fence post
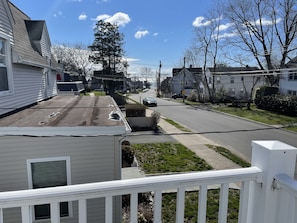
x: 272, y: 157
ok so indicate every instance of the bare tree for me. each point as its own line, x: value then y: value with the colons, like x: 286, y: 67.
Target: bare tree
x: 263, y: 28
x: 75, y: 58
x: 206, y: 46
x: 146, y: 73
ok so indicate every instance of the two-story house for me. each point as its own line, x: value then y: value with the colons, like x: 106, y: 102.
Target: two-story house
x: 27, y: 68
x: 235, y: 82
x: 186, y: 78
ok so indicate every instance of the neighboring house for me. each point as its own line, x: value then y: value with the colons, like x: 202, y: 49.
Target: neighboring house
x: 27, y: 68
x: 235, y: 82
x: 186, y: 78
x: 66, y: 140
x: 288, y: 78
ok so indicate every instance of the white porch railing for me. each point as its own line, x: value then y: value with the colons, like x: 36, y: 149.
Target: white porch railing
x: 262, y: 190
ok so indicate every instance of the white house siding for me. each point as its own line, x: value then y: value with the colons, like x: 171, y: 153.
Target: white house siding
x: 45, y: 43
x: 182, y: 80
x: 5, y: 26
x: 29, y: 87
x: 91, y: 159
x: 285, y: 84
x: 240, y: 87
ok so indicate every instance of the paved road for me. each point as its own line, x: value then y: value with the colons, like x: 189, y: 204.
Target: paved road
x: 231, y: 132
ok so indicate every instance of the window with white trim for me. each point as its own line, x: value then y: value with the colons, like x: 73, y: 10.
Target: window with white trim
x: 292, y: 76
x: 4, y: 84
x: 49, y: 172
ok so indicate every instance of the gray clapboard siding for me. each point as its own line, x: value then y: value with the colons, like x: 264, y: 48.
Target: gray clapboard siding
x: 5, y: 26
x: 91, y: 159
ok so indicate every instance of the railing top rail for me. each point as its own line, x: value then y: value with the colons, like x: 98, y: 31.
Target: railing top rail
x: 285, y: 182
x: 121, y: 187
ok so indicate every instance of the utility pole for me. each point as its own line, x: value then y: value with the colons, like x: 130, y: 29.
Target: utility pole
x: 159, y: 80
x: 184, y: 79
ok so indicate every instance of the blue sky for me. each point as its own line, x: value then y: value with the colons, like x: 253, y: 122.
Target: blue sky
x: 155, y: 30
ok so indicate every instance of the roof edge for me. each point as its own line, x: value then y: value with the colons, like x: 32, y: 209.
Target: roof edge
x: 80, y: 131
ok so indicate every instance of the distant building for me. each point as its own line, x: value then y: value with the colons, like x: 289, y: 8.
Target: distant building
x: 235, y: 82
x: 186, y: 78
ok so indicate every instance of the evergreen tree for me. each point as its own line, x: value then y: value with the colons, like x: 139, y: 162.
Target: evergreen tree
x: 107, y: 48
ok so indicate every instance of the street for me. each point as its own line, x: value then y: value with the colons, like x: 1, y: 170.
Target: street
x: 233, y: 133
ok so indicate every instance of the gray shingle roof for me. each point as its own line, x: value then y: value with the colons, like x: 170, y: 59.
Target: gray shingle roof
x: 23, y: 47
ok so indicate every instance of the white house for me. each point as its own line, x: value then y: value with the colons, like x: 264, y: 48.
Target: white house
x: 185, y: 78
x: 288, y: 78
x: 27, y: 68
x: 236, y: 82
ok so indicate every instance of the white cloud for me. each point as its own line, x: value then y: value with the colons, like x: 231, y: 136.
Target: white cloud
x: 58, y: 14
x: 227, y: 35
x: 82, y: 16
x: 141, y: 33
x: 156, y: 34
x: 119, y: 18
x: 266, y: 22
x: 102, y: 17
x: 200, y: 21
x: 224, y: 26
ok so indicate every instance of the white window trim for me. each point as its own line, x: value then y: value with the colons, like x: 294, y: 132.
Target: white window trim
x: 8, y: 65
x: 68, y: 171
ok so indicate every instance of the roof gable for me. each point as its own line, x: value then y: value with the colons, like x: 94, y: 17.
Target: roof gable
x: 26, y: 35
x: 38, y: 36
x: 193, y: 70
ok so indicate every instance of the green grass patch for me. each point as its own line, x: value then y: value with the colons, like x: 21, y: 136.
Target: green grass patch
x: 175, y: 124
x: 191, y: 204
x: 226, y: 153
x: 96, y: 93
x: 156, y: 158
x: 292, y: 128
x: 258, y: 115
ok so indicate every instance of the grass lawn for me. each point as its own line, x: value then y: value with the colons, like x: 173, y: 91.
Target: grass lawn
x: 180, y: 127
x: 159, y: 158
x: 162, y: 158
x: 191, y: 204
x: 259, y: 115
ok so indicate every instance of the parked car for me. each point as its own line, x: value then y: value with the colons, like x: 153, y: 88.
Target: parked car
x: 175, y: 96
x: 149, y: 101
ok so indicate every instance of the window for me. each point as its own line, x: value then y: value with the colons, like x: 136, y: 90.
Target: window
x: 232, y: 80
x: 50, y: 172
x: 290, y: 92
x: 3, y: 66
x: 292, y: 76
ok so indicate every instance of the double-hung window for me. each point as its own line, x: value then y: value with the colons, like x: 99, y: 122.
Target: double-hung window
x: 49, y: 172
x: 3, y: 66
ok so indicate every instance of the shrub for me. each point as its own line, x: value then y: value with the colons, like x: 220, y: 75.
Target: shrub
x: 282, y: 104
x: 192, y: 97
x: 264, y: 91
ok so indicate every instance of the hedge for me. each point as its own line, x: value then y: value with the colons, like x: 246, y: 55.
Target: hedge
x: 281, y: 104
